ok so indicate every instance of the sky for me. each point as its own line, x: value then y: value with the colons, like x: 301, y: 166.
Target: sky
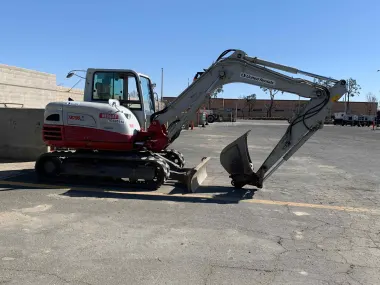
x: 328, y: 37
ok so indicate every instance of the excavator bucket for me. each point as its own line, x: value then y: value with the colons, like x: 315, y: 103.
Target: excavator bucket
x: 235, y: 157
x: 236, y: 160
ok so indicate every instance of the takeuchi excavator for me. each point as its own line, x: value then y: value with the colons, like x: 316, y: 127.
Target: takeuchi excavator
x: 116, y: 131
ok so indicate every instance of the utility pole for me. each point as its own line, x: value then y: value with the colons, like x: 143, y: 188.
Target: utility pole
x: 348, y: 96
x: 162, y: 84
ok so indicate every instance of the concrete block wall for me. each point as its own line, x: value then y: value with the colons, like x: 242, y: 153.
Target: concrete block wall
x: 27, y: 88
x: 32, y: 89
x: 63, y: 93
x: 21, y: 134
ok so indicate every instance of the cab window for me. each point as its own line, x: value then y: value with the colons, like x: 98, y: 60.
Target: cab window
x: 120, y: 86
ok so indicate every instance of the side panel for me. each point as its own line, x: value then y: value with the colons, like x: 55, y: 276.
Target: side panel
x: 80, y: 119
x: 53, y: 114
x: 77, y: 137
x: 89, y: 125
x: 80, y: 123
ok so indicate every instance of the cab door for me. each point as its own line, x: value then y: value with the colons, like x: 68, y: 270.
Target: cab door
x: 148, y: 99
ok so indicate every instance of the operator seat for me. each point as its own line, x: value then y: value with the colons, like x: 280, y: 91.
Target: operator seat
x: 102, y: 91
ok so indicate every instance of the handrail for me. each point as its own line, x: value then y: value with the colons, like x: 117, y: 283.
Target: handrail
x: 5, y: 104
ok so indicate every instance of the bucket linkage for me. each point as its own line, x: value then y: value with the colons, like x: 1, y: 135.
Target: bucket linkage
x: 190, y: 178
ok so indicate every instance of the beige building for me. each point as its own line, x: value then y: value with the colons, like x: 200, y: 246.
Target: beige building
x: 20, y: 87
x: 281, y: 108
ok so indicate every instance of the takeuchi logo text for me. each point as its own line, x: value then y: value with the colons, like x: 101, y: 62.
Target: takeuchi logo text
x: 257, y: 78
x: 109, y: 116
x: 77, y: 118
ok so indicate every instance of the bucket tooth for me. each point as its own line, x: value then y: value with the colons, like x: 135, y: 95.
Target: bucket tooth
x: 236, y: 160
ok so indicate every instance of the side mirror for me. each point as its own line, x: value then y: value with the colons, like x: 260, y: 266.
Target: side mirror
x: 153, y: 85
x: 114, y: 102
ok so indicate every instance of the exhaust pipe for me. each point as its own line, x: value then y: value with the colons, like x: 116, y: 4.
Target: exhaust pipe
x: 236, y: 160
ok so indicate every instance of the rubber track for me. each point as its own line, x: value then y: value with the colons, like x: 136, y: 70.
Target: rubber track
x: 130, y: 160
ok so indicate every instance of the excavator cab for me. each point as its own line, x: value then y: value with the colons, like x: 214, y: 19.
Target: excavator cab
x: 133, y: 90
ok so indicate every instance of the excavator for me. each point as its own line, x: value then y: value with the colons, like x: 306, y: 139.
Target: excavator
x: 116, y: 131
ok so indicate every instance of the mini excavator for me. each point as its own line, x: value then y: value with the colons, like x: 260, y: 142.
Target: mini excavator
x: 116, y: 131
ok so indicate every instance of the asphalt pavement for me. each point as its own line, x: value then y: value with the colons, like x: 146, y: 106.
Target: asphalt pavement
x: 316, y: 220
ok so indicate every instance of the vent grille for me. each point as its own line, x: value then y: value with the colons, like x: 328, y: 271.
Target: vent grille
x: 52, y: 133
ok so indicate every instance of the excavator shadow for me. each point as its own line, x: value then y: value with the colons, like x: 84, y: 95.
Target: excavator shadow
x: 220, y: 192
x: 208, y: 195
x: 11, y: 174
x: 170, y: 191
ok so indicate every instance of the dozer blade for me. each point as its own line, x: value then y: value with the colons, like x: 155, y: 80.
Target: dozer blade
x: 192, y: 178
x: 197, y: 175
x: 236, y: 160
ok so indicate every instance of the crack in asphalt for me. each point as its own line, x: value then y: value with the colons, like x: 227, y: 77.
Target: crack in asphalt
x: 343, y: 234
x: 208, y: 275
x: 341, y: 231
x: 46, y: 273
x: 270, y: 271
x: 350, y: 276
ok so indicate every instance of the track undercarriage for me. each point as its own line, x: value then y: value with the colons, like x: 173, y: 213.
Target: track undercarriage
x: 143, y: 169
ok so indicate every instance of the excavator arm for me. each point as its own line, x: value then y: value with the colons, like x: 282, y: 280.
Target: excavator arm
x: 241, y: 68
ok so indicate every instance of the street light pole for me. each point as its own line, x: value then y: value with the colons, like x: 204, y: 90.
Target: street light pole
x: 162, y: 84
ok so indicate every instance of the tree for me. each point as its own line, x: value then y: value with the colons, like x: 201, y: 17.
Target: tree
x: 353, y: 88
x: 250, y: 101
x: 371, y: 100
x: 214, y: 95
x: 324, y: 82
x: 241, y: 104
x: 272, y: 93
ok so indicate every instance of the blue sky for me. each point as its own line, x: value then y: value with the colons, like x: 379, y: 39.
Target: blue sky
x: 329, y: 37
